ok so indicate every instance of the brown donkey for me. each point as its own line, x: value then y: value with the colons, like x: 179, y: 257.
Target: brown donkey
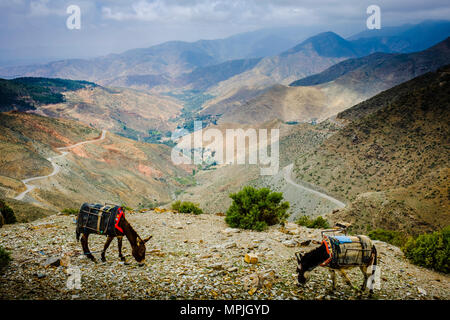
x: 339, y: 253
x: 111, y: 222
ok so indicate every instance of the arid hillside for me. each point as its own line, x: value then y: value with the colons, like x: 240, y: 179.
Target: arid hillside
x: 215, y: 183
x: 193, y: 257
x: 127, y: 112
x: 327, y: 93
x: 392, y: 162
x: 115, y: 169
x: 26, y: 141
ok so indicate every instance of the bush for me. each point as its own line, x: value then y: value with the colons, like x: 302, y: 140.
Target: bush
x: 318, y: 223
x: 70, y: 211
x: 186, y: 207
x: 430, y: 250
x: 176, y: 205
x: 393, y: 237
x: 126, y: 208
x: 256, y: 209
x: 5, y: 258
x: 7, y: 213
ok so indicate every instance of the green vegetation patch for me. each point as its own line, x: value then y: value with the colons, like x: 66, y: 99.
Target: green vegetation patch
x: 72, y: 211
x: 5, y: 258
x: 318, y: 223
x: 395, y: 238
x: 186, y: 207
x: 256, y: 209
x: 430, y: 250
x: 26, y: 93
x: 7, y: 213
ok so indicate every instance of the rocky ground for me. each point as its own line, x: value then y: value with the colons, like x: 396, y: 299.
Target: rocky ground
x: 191, y: 257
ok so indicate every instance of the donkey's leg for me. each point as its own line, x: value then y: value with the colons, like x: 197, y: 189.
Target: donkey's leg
x: 107, y: 243
x: 84, y: 244
x: 364, y: 271
x: 346, y: 278
x: 333, y: 278
x: 119, y: 244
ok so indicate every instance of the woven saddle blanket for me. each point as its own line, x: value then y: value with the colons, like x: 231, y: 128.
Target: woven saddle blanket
x: 347, y: 250
x: 101, y: 219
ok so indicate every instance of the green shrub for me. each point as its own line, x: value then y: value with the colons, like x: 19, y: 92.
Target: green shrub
x: 176, y: 205
x: 393, y: 237
x: 186, y: 207
x: 5, y: 258
x: 430, y: 250
x: 256, y: 209
x: 318, y: 223
x: 303, y: 221
x: 70, y: 211
x: 7, y: 212
x: 126, y: 208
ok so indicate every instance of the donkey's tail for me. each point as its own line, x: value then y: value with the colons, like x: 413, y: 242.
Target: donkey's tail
x: 374, y: 262
x: 77, y: 230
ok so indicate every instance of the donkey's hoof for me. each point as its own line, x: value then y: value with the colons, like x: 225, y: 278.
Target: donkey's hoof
x: 103, y: 259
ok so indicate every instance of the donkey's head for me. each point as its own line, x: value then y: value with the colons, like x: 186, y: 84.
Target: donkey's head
x: 138, y: 251
x: 301, y: 269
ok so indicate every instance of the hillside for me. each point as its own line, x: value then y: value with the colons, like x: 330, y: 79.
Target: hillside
x: 391, y: 163
x: 27, y: 93
x: 214, y: 184
x: 324, y: 50
x: 27, y: 140
x: 127, y: 112
x: 115, y: 169
x: 407, y: 38
x: 193, y: 257
x: 325, y: 94
x: 278, y: 102
x: 377, y: 72
x: 309, y: 57
x: 130, y: 113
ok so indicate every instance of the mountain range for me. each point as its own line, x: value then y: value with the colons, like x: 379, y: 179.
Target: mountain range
x: 315, y: 55
x: 152, y: 66
x: 337, y: 88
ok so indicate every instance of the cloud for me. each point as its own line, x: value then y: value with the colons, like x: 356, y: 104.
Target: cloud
x: 45, y: 8
x: 117, y: 25
x: 204, y: 11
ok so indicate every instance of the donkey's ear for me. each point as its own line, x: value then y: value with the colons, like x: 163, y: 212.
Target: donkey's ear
x: 299, y: 256
x: 146, y: 239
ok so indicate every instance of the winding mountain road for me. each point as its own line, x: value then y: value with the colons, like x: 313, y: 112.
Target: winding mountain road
x: 56, y: 168
x: 288, y: 177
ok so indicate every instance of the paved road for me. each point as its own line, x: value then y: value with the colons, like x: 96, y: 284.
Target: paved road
x: 56, y: 168
x: 288, y: 178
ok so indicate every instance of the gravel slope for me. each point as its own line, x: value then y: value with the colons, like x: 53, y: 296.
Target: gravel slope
x: 191, y: 257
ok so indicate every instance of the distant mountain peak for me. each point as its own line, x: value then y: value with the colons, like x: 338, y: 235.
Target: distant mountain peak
x: 326, y: 44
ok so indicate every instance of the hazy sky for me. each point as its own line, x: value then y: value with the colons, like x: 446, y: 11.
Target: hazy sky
x: 35, y: 29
